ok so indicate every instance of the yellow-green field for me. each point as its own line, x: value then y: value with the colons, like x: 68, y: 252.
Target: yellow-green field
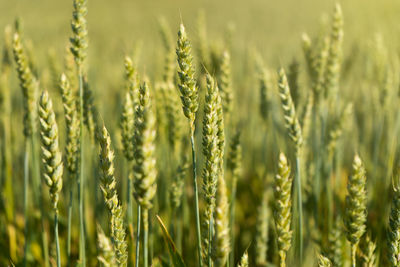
x: 199, y: 133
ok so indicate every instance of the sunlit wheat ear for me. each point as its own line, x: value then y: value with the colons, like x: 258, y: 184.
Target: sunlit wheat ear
x: 221, y: 242
x: 393, y: 235
x: 132, y: 79
x: 332, y: 73
x: 51, y: 154
x: 211, y: 154
x: 79, y: 41
x: 225, y: 83
x: 72, y: 124
x: 145, y: 172
x: 367, y: 253
x: 283, y: 208
x: 106, y: 255
x: 356, y: 211
x: 323, y: 261
x: 244, y: 261
x: 127, y: 127
x: 292, y: 123
x: 187, y: 84
x: 108, y: 186
x: 28, y: 84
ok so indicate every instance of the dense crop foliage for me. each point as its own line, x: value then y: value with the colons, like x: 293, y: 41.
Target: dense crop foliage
x: 206, y: 153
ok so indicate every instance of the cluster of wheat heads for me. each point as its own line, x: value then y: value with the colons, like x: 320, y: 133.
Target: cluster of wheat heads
x: 187, y: 162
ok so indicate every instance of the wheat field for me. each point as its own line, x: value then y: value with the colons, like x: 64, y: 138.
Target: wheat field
x: 199, y: 133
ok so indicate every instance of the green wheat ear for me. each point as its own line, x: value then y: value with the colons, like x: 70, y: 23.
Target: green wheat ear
x: 221, y: 242
x: 291, y: 120
x: 225, y: 83
x: 356, y: 211
x: 28, y: 84
x: 108, y: 186
x: 79, y: 41
x: 51, y: 154
x: 72, y: 124
x: 145, y: 171
x: 367, y: 249
x: 324, y: 261
x: 186, y: 72
x: 106, y: 250
x: 283, y: 208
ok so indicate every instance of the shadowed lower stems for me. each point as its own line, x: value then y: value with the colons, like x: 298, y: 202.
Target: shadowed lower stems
x: 137, y: 255
x: 196, y: 194
x: 300, y: 206
x: 69, y: 228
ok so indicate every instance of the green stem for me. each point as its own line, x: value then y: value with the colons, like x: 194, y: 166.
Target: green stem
x: 145, y: 237
x: 300, y: 206
x: 210, y: 227
x: 26, y: 186
x: 196, y: 194
x: 82, y: 255
x: 353, y: 255
x: 56, y: 237
x: 232, y: 222
x: 69, y: 228
x: 137, y: 255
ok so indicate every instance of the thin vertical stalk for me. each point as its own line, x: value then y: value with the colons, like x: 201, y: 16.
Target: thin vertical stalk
x: 231, y: 261
x: 210, y: 227
x: 26, y: 186
x: 145, y: 237
x: 56, y: 237
x: 353, y: 255
x: 82, y: 255
x: 300, y: 206
x: 137, y: 255
x: 196, y: 194
x: 69, y: 227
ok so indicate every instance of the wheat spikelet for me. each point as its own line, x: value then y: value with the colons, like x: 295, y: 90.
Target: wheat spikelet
x: 292, y: 123
x: 221, y: 243
x: 225, y: 83
x: 106, y: 255
x: 79, y: 41
x: 332, y: 72
x: 28, y: 84
x: 89, y: 110
x: 324, y: 261
x: 108, y: 186
x: 51, y: 155
x: 72, y: 124
x: 320, y: 69
x: 337, y: 130
x: 127, y: 127
x: 334, y: 247
x: 356, y: 212
x: 211, y: 154
x: 145, y: 172
x: 293, y: 80
x: 283, y: 206
x: 178, y: 183
x: 367, y: 248
x: 244, y: 261
x: 187, y: 84
x: 169, y: 65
